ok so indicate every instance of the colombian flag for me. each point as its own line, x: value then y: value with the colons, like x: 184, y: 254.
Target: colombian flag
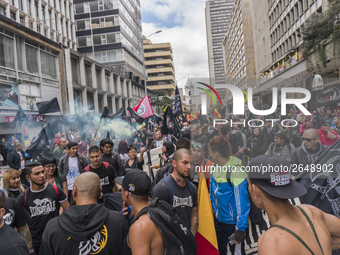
x: 206, y: 235
x: 216, y: 113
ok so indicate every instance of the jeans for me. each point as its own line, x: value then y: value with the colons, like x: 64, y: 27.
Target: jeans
x: 223, y: 231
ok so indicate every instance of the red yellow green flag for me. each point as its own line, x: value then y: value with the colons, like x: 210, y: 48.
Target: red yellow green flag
x: 216, y: 113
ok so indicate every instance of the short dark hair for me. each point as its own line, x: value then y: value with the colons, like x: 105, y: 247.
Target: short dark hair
x: 30, y: 166
x: 131, y: 147
x: 183, y: 143
x: 225, y: 129
x: 72, y: 144
x: 2, y: 200
x: 221, y: 145
x: 93, y: 149
x: 47, y: 160
x: 16, y: 145
x: 106, y: 141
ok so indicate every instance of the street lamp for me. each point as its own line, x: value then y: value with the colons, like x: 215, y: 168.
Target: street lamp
x: 157, y: 32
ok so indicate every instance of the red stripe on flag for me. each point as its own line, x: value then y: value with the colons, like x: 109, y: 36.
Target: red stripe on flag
x: 204, y: 247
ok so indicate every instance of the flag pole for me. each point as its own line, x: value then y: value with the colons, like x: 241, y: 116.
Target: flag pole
x: 16, y: 127
x: 180, y: 133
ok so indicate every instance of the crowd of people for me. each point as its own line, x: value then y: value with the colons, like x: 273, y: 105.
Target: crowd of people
x: 58, y: 202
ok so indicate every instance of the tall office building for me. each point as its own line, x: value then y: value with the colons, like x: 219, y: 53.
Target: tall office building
x: 160, y: 67
x: 217, y: 14
x: 53, y: 19
x: 110, y: 31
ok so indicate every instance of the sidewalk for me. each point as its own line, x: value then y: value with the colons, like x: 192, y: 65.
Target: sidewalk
x: 2, y: 170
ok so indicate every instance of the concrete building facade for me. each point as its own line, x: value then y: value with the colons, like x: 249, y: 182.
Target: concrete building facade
x: 110, y: 32
x: 159, y: 66
x: 53, y: 19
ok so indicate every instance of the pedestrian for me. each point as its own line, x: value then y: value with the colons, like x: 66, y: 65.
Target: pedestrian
x: 17, y: 161
x: 281, y: 146
x: 229, y: 196
x: 87, y: 227
x: 166, y: 156
x: 178, y: 191
x: 111, y: 157
x: 11, y: 242
x: 104, y: 170
x: 135, y: 162
x: 42, y: 201
x: 144, y: 235
x: 12, y: 186
x: 199, y: 164
x: 82, y: 146
x: 70, y: 166
x: 252, y: 141
x: 52, y: 174
x: 122, y: 151
x: 3, y: 150
x: 62, y: 149
x: 326, y: 136
x: 302, y: 229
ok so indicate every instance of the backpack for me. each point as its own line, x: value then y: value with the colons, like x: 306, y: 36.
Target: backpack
x: 106, y: 166
x: 171, y: 189
x: 26, y: 195
x: 177, y: 237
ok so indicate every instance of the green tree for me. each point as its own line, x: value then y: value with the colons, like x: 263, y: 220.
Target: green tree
x: 160, y: 100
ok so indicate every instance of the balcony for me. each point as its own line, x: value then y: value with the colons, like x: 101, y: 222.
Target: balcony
x: 159, y: 62
x: 161, y: 78
x: 158, y: 54
x: 162, y: 87
x: 158, y: 46
x: 161, y: 70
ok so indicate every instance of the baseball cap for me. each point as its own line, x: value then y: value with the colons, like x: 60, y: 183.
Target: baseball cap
x: 324, y: 120
x: 281, y: 134
x: 273, y: 175
x: 136, y: 181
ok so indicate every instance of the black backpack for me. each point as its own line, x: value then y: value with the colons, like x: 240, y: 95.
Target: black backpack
x: 177, y: 237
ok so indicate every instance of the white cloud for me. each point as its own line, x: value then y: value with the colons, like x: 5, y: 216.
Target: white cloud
x: 187, y: 36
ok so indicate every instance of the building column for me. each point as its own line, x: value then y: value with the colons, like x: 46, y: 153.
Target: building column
x: 120, y: 102
x: 124, y: 88
x: 69, y: 83
x: 129, y: 83
x: 113, y: 101
x: 105, y: 99
x: 119, y: 86
x: 95, y: 102
x: 84, y: 96
x: 111, y: 84
x: 83, y: 82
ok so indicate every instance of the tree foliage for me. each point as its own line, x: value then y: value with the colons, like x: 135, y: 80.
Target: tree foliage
x: 320, y: 29
x: 159, y: 99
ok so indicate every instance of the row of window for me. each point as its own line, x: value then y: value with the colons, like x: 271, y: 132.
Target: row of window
x: 243, y: 71
x: 239, y: 64
x: 107, y: 21
x: 98, y: 39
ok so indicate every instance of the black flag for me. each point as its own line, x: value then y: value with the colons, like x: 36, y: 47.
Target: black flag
x: 168, y: 116
x: 177, y: 104
x: 48, y: 106
x: 120, y: 113
x: 135, y: 117
x: 106, y: 113
x: 327, y: 96
x: 38, y: 144
x: 323, y: 185
x: 54, y: 127
x: 20, y: 115
x: 49, y: 131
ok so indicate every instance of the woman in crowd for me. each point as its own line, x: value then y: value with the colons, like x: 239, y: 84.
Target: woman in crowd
x: 149, y: 141
x: 252, y: 141
x: 134, y: 162
x: 281, y: 146
x: 168, y: 151
x: 122, y: 151
x: 12, y: 184
x: 52, y: 174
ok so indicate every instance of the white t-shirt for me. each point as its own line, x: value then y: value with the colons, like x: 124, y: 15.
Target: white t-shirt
x: 73, y: 172
x: 22, y: 161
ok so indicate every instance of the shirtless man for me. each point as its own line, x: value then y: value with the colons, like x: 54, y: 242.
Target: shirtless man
x: 144, y: 237
x: 270, y: 191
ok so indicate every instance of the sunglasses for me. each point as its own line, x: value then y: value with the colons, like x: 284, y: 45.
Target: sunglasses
x: 308, y: 139
x: 197, y: 145
x: 327, y: 125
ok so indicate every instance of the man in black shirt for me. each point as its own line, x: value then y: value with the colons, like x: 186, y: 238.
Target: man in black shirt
x: 42, y: 201
x: 11, y: 242
x: 175, y: 190
x: 87, y: 227
x: 17, y: 217
x: 104, y: 170
x: 112, y: 157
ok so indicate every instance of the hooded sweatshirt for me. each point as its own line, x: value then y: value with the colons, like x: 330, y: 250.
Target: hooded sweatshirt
x: 86, y: 229
x: 302, y: 156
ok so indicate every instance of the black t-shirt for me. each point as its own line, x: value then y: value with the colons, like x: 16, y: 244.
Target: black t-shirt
x: 135, y: 164
x: 15, y: 213
x: 14, y: 193
x: 106, y: 179
x: 11, y: 242
x: 42, y: 206
x: 182, y: 198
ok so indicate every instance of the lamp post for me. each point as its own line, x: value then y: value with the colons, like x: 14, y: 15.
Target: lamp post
x: 157, y: 32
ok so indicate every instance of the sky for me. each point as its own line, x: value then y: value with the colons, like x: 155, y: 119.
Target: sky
x: 183, y: 25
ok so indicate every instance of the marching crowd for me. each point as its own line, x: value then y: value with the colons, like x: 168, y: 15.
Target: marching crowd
x: 85, y: 195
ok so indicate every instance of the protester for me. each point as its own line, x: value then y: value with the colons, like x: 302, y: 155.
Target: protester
x: 326, y: 136
x: 42, y: 201
x: 3, y: 151
x: 87, y: 227
x: 205, y: 131
x: 199, y: 164
x: 48, y: 153
x: 17, y: 161
x: 52, y: 174
x: 135, y: 162
x: 158, y: 139
x: 12, y: 184
x: 149, y: 143
x: 166, y: 156
x: 252, y: 141
x: 122, y: 151
x: 104, y: 170
x: 82, y: 146
x: 112, y: 157
x: 228, y: 195
x: 11, y: 242
x: 235, y: 143
x: 310, y: 149
x: 178, y: 191
x: 62, y: 149
x: 70, y: 166
x: 135, y: 140
x: 281, y: 146
x: 302, y: 229
x: 198, y: 136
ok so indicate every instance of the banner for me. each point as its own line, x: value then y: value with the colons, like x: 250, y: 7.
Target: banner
x: 177, y: 104
x: 324, y: 97
x: 135, y: 117
x: 144, y: 108
x: 120, y: 113
x: 38, y: 144
x: 8, y: 95
x: 20, y: 115
x: 48, y: 106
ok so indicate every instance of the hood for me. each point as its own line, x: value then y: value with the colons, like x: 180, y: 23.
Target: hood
x: 221, y: 175
x: 81, y: 222
x: 319, y: 147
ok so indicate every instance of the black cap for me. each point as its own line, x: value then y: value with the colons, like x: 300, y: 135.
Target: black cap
x: 281, y: 134
x: 272, y: 174
x: 136, y: 181
x: 324, y: 120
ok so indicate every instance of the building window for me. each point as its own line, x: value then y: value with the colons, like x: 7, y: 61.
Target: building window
x: 50, y: 17
x: 75, y: 70
x: 67, y: 29
x: 2, y: 10
x: 90, y: 101
x: 88, y: 75
x: 13, y: 15
x: 20, y: 5
x: 22, y: 20
x: 43, y: 14
x: 6, y: 51
x: 98, y: 78
x: 36, y: 5
x: 32, y: 60
x: 20, y: 51
x: 48, y: 65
